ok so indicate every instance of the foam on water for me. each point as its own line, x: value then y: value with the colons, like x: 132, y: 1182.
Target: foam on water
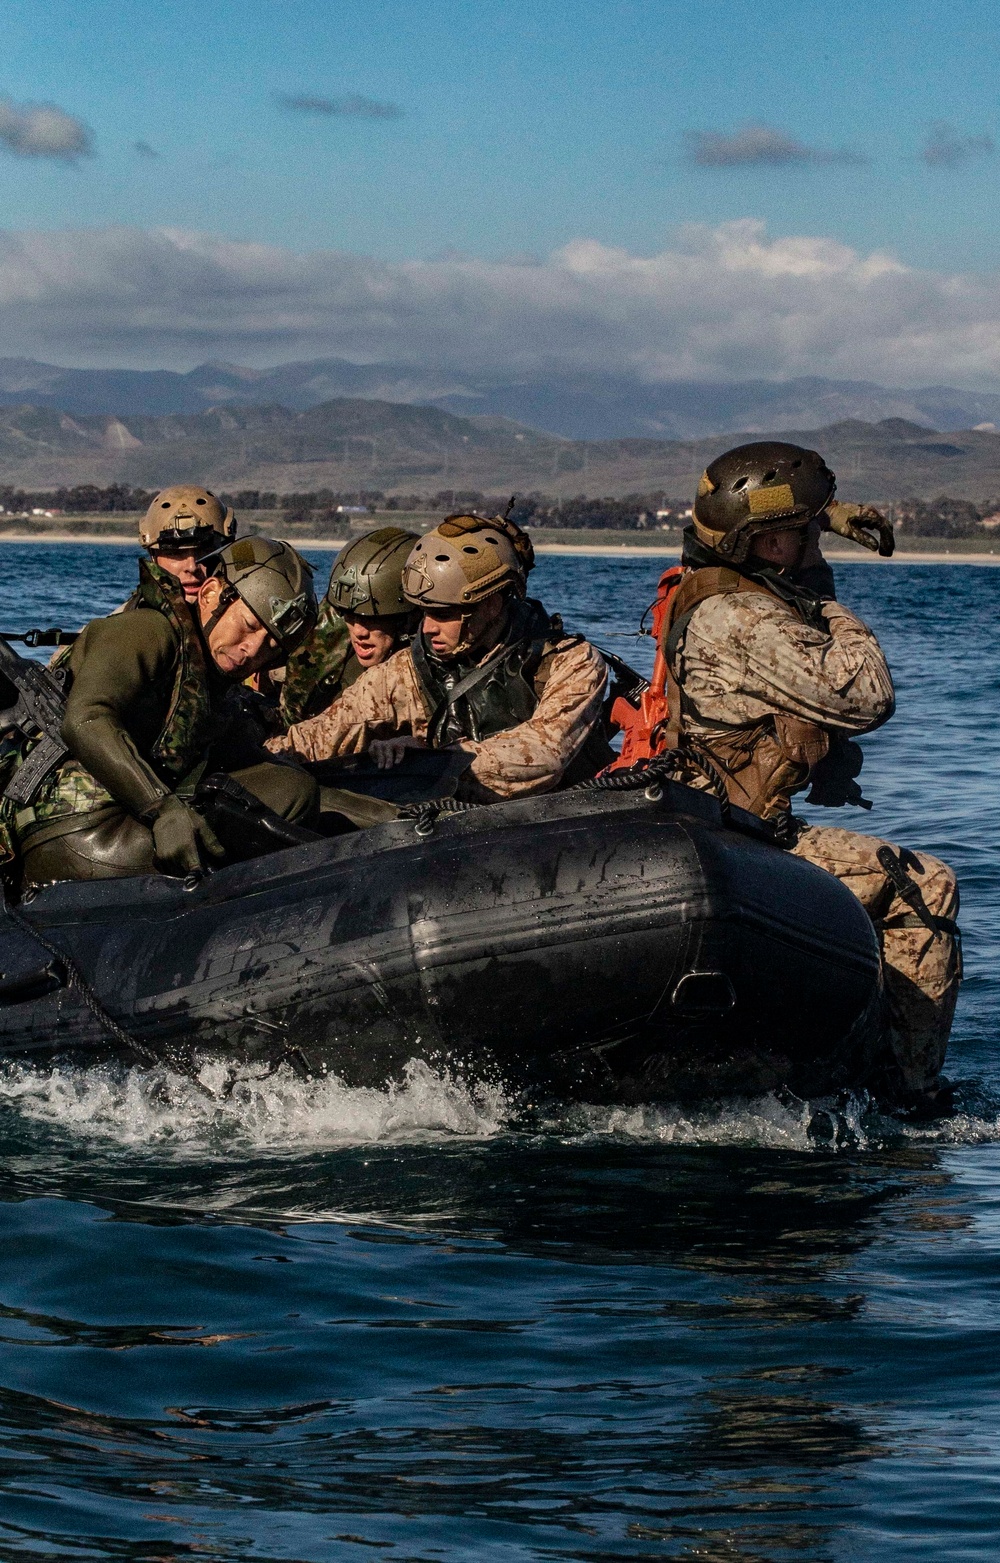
x: 243, y: 1110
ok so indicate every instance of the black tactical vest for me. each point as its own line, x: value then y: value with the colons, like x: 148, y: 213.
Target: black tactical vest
x: 478, y: 700
x: 472, y: 700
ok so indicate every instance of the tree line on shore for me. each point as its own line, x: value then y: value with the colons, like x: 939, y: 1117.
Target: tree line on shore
x: 325, y: 510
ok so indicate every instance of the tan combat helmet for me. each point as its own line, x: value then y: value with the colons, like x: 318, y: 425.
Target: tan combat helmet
x: 465, y: 560
x: 274, y: 581
x: 366, y: 578
x: 185, y: 515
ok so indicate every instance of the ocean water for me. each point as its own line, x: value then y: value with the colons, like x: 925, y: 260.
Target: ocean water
x: 313, y: 1323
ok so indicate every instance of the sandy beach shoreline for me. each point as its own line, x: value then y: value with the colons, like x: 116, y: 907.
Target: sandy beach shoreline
x: 596, y: 550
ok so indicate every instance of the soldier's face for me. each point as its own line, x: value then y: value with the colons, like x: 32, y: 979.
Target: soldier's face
x: 373, y: 640
x: 449, y: 631
x: 186, y: 567
x: 238, y: 642
x: 781, y: 549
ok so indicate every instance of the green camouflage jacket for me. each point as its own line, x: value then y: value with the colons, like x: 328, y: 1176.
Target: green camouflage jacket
x: 319, y: 670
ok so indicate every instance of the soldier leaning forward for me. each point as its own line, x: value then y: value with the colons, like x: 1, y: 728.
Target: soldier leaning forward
x: 768, y: 682
x: 489, y: 673
x: 362, y: 620
x: 152, y: 705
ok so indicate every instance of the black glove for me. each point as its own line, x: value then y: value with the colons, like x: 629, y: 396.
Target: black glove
x: 178, y: 833
x: 833, y: 781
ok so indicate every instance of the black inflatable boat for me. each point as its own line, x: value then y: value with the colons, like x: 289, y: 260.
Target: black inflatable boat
x: 616, y: 946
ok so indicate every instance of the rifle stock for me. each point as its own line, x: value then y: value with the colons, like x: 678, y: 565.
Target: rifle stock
x: 38, y: 712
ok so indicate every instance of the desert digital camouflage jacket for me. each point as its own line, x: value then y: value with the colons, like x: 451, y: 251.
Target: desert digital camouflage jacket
x: 744, y: 657
x: 530, y: 757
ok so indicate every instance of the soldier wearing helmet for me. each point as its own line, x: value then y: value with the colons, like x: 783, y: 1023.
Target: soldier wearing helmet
x: 489, y: 672
x: 770, y: 681
x: 362, y: 620
x: 181, y: 526
x: 151, y: 707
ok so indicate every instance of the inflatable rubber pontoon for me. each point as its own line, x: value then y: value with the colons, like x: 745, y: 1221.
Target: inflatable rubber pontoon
x: 622, y: 946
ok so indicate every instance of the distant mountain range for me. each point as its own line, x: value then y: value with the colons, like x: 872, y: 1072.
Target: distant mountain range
x: 350, y: 443
x: 581, y: 407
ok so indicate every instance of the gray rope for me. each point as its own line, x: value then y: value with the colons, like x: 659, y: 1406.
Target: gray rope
x: 109, y: 1025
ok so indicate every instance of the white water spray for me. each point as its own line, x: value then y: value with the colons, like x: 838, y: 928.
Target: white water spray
x: 244, y: 1112
x: 249, y: 1112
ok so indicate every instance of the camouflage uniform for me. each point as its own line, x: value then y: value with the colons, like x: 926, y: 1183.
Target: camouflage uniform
x: 529, y: 757
x: 145, y: 713
x: 320, y: 669
x: 746, y: 657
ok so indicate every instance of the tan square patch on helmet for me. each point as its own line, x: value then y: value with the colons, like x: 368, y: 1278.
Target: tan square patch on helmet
x: 776, y: 501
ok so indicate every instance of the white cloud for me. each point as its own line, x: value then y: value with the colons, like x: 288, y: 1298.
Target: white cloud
x: 724, y: 303
x: 42, y: 130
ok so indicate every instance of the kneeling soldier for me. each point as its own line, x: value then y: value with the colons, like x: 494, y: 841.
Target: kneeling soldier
x: 768, y: 681
x: 149, y: 711
x: 489, y: 673
x: 362, y: 620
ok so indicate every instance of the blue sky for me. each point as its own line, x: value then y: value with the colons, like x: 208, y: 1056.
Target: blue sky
x: 522, y: 128
x: 524, y: 125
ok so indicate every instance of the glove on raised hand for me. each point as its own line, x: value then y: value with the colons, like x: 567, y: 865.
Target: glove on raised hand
x: 860, y: 523
x: 178, y: 832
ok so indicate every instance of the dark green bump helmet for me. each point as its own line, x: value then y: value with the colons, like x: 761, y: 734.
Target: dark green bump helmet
x: 367, y: 575
x: 274, y: 581
x: 764, y: 487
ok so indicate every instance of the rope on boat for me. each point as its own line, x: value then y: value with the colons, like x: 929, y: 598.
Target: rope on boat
x: 646, y: 775
x: 651, y: 774
x: 112, y: 1027
x: 425, y: 815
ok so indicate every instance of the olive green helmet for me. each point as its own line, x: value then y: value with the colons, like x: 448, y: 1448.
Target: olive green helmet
x: 274, y: 581
x: 186, y: 514
x: 764, y: 487
x: 466, y: 559
x: 367, y: 575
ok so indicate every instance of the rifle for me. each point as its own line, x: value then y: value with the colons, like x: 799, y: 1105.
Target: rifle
x: 42, y: 637
x: 37, y: 710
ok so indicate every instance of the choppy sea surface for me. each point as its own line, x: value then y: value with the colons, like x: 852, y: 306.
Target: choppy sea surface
x: 317, y: 1323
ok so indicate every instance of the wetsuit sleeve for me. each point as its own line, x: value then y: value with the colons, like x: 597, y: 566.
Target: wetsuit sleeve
x: 532, y: 757
x: 114, y: 662
x: 743, y: 656
x: 383, y: 703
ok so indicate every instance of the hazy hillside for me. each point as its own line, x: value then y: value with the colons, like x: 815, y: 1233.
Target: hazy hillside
x: 573, y: 406
x: 347, y: 444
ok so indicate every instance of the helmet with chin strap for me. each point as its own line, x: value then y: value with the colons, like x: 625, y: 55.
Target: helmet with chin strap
x: 274, y: 581
x: 767, y: 486
x: 185, y: 515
